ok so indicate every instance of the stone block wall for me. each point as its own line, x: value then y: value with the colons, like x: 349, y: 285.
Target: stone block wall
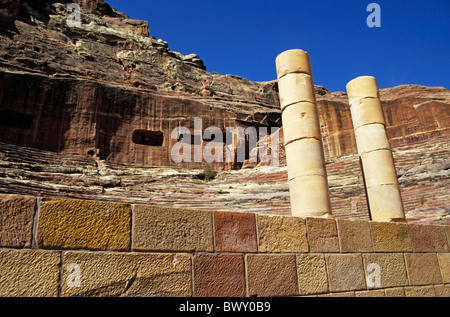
x: 65, y: 247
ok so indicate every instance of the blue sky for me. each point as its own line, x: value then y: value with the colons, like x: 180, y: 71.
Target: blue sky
x: 243, y: 38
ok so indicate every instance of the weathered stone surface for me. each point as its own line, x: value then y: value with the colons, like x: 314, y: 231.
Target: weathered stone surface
x: 345, y: 272
x: 420, y: 291
x: 429, y: 238
x: 81, y: 224
x: 392, y: 269
x: 127, y: 274
x: 395, y: 292
x: 86, y: 91
x: 219, y: 275
x: 340, y: 294
x: 29, y: 273
x: 371, y: 293
x: 390, y: 237
x: 444, y: 265
x: 312, y: 274
x: 423, y: 268
x: 281, y: 234
x: 271, y: 275
x: 159, y: 228
x: 354, y: 236
x: 442, y: 290
x: 16, y: 220
x: 322, y: 235
x: 235, y: 232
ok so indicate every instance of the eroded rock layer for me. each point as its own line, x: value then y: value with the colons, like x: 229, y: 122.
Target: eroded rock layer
x: 89, y: 112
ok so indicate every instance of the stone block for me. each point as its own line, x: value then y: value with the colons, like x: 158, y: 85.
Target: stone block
x: 442, y: 290
x: 271, y: 275
x: 340, y: 294
x: 322, y: 235
x: 312, y: 274
x: 345, y: 272
x: 171, y: 229
x: 29, y: 273
x: 420, y: 291
x: 371, y: 293
x: 444, y: 265
x: 354, y: 236
x: 219, y: 275
x: 118, y: 274
x: 429, y: 238
x: 384, y: 270
x: 16, y: 220
x: 235, y: 232
x: 82, y: 224
x: 395, y: 292
x: 281, y: 234
x: 423, y: 268
x: 390, y: 237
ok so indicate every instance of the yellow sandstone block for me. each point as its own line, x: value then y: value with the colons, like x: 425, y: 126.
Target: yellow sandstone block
x: 29, y: 273
x: 78, y: 224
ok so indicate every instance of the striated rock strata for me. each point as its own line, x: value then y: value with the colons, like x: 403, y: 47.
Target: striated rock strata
x: 88, y: 112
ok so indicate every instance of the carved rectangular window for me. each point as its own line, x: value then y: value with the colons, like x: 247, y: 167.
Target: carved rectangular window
x: 11, y: 119
x: 146, y: 137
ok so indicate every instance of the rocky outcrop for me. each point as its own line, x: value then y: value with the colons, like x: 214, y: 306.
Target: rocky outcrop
x: 423, y: 170
x: 88, y: 112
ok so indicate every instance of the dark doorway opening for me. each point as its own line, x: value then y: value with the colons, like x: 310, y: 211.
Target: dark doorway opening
x: 11, y: 119
x: 146, y: 137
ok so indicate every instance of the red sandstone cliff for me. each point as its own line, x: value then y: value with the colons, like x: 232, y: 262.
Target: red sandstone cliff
x: 106, y: 97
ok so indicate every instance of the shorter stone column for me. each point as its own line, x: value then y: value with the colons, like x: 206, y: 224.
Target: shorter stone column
x: 377, y: 163
x: 308, y: 185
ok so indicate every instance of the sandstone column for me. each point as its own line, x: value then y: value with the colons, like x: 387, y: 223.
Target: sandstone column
x: 307, y: 175
x: 383, y: 194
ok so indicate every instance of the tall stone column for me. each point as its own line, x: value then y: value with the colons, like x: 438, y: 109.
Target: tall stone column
x: 377, y: 163
x: 308, y: 184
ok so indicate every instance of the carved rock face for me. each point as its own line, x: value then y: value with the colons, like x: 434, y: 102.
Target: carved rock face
x: 109, y: 93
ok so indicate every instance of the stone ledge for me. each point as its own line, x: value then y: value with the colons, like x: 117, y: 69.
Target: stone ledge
x: 182, y: 252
